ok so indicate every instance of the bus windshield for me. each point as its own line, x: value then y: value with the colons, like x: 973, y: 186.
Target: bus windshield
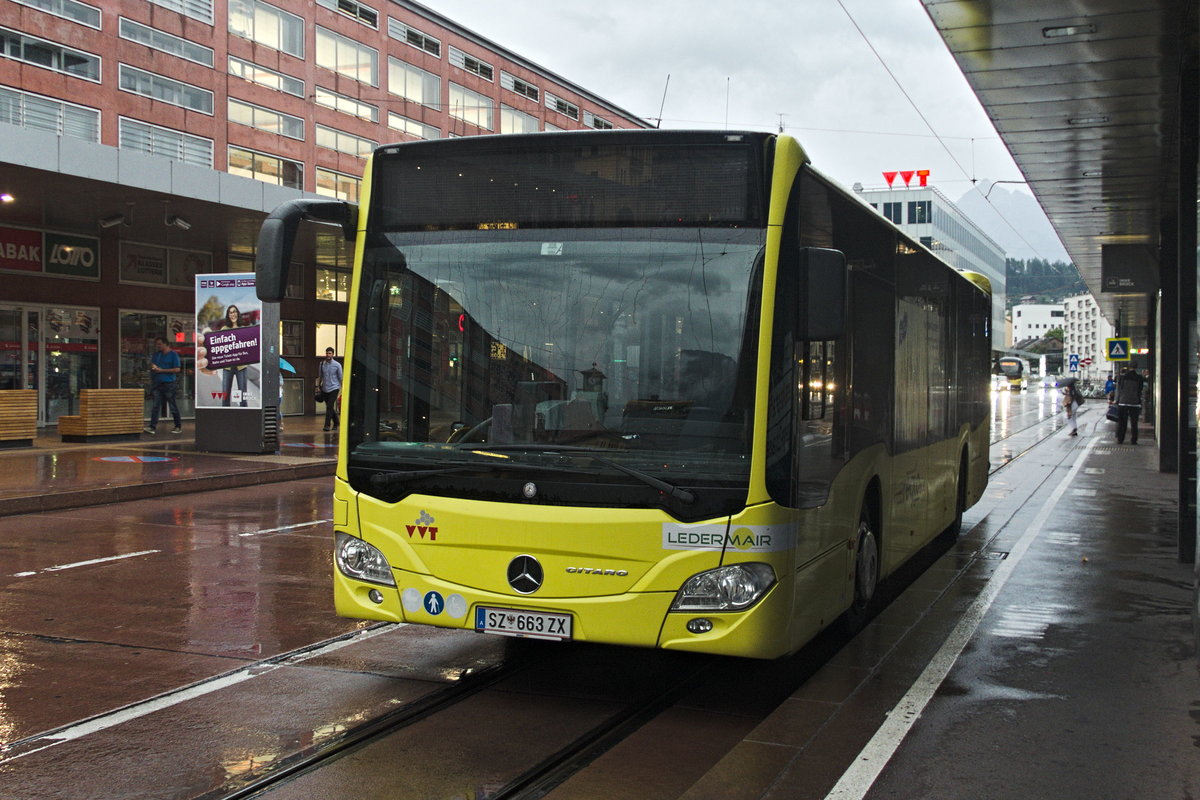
x: 628, y: 341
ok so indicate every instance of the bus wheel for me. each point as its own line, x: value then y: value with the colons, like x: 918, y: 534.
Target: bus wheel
x: 866, y: 572
x: 951, y: 534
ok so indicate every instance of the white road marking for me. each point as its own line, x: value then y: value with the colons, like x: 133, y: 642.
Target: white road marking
x: 88, y: 563
x: 287, y: 527
x: 134, y: 711
x: 862, y: 774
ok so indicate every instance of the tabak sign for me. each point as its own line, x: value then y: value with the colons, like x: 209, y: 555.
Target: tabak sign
x: 27, y: 250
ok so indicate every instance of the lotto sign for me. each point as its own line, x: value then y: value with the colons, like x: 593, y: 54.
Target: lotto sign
x: 1118, y: 349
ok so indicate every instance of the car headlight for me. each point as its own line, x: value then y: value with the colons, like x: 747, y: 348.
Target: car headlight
x: 730, y: 588
x: 361, y: 561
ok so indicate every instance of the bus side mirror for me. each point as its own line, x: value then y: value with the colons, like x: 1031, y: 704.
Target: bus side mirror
x: 278, y: 236
x: 822, y: 282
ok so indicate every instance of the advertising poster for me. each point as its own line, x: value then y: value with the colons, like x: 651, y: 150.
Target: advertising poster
x: 228, y: 342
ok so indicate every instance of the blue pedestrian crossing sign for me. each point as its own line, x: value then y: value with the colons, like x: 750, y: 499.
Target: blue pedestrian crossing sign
x: 1073, y: 362
x: 434, y: 604
x: 1118, y: 349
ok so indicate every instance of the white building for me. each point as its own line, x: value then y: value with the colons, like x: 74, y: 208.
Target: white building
x: 1033, y: 321
x: 931, y: 218
x: 1084, y: 333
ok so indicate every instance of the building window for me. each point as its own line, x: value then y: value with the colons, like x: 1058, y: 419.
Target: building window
x: 157, y: 141
x: 471, y: 64
x: 167, y: 90
x: 470, y: 106
x: 599, y: 123
x: 264, y: 119
x: 291, y: 337
x: 347, y: 57
x: 412, y: 36
x: 333, y: 285
x: 414, y: 84
x: 295, y: 282
x: 515, y: 84
x: 295, y: 278
x: 265, y: 168
x: 335, y: 184
x: 357, y: 11
x: 562, y: 106
x: 267, y: 25
x: 344, y: 142
x: 513, y: 121
x: 412, y: 127
x: 162, y: 266
x: 46, y: 114
x: 165, y: 42
x: 138, y: 331
x: 346, y: 105
x: 196, y: 9
x: 265, y: 77
x: 920, y: 212
x: 41, y: 53
x: 67, y: 9
x: 893, y: 211
x: 331, y: 335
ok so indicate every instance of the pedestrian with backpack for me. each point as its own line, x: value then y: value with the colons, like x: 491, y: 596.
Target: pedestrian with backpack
x: 1072, y: 400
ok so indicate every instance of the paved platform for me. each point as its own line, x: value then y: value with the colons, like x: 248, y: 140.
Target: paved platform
x: 1047, y: 654
x: 53, y: 474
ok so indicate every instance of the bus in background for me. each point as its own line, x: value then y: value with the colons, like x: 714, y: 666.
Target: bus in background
x: 1012, y: 372
x: 654, y: 388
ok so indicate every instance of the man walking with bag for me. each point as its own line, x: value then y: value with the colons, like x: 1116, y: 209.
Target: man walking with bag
x: 1129, y: 404
x: 329, y: 385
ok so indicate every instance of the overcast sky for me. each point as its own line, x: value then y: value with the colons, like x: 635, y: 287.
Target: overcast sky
x: 743, y: 64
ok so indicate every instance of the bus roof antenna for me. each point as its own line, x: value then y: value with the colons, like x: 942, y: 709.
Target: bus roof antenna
x: 663, y: 104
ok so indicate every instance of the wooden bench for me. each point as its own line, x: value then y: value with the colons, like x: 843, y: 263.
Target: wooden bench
x: 18, y: 417
x: 105, y: 415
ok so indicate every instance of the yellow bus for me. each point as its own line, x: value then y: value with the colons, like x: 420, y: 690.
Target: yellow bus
x: 653, y: 388
x: 1012, y: 372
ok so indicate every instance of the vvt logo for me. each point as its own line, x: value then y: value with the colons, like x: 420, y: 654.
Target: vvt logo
x: 423, y: 526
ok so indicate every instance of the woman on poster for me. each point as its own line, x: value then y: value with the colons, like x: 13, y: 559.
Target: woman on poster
x: 232, y: 319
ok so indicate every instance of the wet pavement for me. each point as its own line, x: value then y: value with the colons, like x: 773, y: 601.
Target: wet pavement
x: 55, y: 475
x: 179, y: 644
x: 1047, y: 654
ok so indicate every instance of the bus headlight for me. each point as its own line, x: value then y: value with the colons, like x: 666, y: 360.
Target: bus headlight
x: 730, y: 588
x: 361, y: 561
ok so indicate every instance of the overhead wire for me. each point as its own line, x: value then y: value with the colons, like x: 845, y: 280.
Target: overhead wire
x: 932, y: 130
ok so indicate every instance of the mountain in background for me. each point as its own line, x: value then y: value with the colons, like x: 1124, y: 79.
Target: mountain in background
x: 1007, y: 211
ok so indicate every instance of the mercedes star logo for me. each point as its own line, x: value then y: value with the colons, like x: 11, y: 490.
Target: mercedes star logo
x: 525, y: 574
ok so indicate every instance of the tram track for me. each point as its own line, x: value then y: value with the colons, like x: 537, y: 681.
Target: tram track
x: 663, y: 680
x: 359, y: 736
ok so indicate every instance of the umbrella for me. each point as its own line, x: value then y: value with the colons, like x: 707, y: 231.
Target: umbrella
x: 284, y: 365
x: 1066, y: 381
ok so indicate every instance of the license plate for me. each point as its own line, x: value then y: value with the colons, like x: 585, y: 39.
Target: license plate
x: 532, y: 624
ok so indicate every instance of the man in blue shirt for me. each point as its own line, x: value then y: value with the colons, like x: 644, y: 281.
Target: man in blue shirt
x: 164, y: 366
x: 329, y: 384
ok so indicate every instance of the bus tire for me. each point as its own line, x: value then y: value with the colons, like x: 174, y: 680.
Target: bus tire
x: 866, y: 572
x: 951, y: 534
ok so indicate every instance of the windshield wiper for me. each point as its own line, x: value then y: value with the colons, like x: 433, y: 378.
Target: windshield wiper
x: 389, y: 478
x: 386, y: 480
x: 683, y: 495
